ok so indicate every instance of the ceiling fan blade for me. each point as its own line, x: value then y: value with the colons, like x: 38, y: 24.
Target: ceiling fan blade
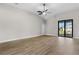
x: 40, y: 12
x: 46, y: 10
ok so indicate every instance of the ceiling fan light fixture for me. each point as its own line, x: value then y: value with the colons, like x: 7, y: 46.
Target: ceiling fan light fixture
x: 45, y: 9
x: 44, y: 13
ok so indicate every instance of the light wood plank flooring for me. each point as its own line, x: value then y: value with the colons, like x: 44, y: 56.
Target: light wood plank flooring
x: 42, y: 45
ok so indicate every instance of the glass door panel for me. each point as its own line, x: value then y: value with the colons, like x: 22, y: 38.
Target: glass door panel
x: 69, y: 28
x: 61, y: 28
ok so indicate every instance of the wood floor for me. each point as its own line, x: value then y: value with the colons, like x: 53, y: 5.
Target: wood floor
x: 42, y: 45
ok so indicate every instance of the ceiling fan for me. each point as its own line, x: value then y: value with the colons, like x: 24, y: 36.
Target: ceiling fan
x: 45, y: 10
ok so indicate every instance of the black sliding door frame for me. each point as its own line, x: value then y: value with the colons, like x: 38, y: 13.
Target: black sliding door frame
x: 65, y: 21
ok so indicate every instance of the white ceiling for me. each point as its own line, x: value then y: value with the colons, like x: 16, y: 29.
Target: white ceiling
x: 54, y: 8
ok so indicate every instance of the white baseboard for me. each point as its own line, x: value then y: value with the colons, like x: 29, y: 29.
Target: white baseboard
x: 76, y: 37
x: 18, y: 38
x: 51, y: 35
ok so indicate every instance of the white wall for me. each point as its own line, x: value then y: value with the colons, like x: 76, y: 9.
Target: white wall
x: 52, y: 23
x: 17, y: 24
x: 44, y: 27
x: 51, y: 28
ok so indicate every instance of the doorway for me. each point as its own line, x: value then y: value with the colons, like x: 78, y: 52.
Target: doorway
x: 65, y: 28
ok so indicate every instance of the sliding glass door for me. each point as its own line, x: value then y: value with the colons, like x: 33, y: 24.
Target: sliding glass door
x: 65, y: 28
